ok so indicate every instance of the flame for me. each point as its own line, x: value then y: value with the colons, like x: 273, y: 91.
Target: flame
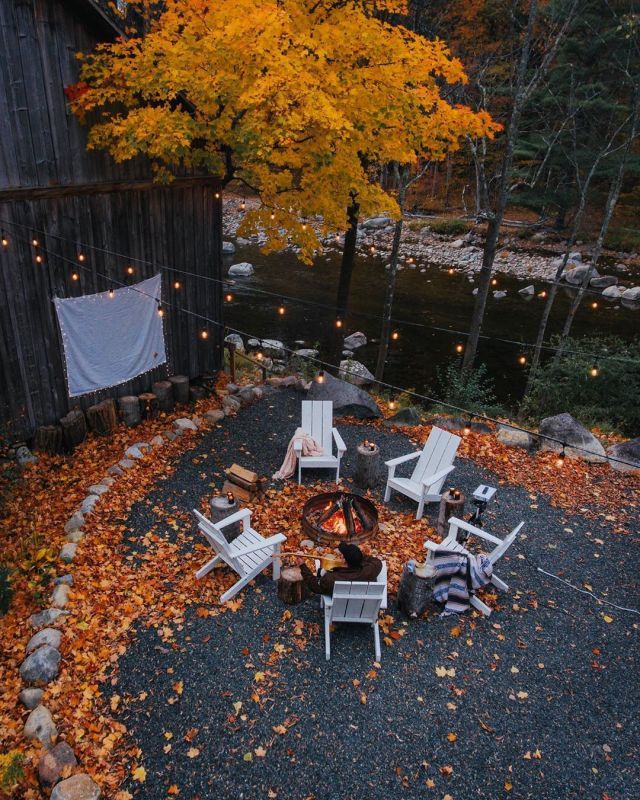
x: 337, y: 524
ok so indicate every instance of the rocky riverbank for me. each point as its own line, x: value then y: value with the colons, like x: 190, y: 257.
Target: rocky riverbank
x: 462, y: 253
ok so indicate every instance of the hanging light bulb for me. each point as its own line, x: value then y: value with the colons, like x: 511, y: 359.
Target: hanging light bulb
x: 304, y: 226
x: 594, y: 305
x: 228, y: 297
x: 392, y: 405
x: 338, y: 322
x: 410, y: 260
x: 494, y: 281
x: 5, y: 240
x: 75, y: 276
x: 459, y: 348
x: 372, y: 249
x: 130, y: 270
x: 177, y: 285
x: 467, y: 428
x: 259, y: 355
x: 560, y: 459
x: 320, y: 376
x: 38, y: 258
x: 543, y: 294
x: 594, y: 371
x: 273, y: 216
x: 80, y: 256
x: 217, y: 195
x: 243, y: 206
x: 111, y: 292
x: 282, y: 308
x: 160, y: 310
x: 337, y: 237
x: 34, y: 242
x: 451, y: 271
x: 204, y: 333
x: 522, y: 360
x: 395, y: 336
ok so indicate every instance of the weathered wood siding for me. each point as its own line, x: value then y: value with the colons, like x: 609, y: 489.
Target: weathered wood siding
x: 77, y: 196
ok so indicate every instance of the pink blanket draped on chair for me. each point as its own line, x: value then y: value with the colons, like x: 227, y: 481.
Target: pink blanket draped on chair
x: 309, y: 448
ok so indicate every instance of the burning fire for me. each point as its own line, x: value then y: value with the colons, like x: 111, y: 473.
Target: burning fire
x: 337, y: 523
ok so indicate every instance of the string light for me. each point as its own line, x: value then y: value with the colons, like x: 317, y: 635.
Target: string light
x: 395, y: 336
x: 34, y: 242
x: 243, y: 206
x: 273, y: 216
x: 494, y: 281
x: 204, y: 334
x: 451, y: 271
x: 304, y: 226
x: 130, y: 270
x: 217, y: 195
x: 80, y: 256
x: 177, y: 285
x: 410, y: 260
x: 282, y: 309
x: 338, y: 322
x: 260, y: 355
x: 5, y: 240
x: 594, y: 371
x: 320, y: 376
x: 459, y: 348
x: 111, y: 292
x: 560, y: 458
x: 160, y: 310
x: 467, y: 428
x: 522, y: 360
x: 594, y: 305
x: 372, y: 249
x: 228, y: 297
x: 543, y: 294
x: 75, y: 276
x: 392, y: 405
x: 38, y: 258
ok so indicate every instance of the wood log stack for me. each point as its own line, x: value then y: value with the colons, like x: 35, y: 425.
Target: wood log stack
x: 102, y: 417
x: 244, y: 484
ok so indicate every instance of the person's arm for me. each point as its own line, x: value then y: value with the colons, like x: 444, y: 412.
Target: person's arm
x: 311, y: 581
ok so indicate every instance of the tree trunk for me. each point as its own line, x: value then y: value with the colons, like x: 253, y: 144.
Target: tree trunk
x: 346, y: 271
x: 385, y: 333
x: 447, y: 184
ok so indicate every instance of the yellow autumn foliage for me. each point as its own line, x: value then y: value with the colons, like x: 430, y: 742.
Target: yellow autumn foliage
x: 298, y: 99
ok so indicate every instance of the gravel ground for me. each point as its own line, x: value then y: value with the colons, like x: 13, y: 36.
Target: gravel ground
x: 542, y: 704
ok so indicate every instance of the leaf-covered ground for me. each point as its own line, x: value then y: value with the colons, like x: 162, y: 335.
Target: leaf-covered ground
x: 163, y: 693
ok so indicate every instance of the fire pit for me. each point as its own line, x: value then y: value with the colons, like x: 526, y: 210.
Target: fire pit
x: 336, y: 516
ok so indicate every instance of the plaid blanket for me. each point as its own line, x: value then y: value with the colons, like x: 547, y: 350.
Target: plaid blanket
x: 457, y: 577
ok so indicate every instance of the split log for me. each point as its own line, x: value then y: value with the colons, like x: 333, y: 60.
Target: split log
x: 48, y: 439
x: 291, y: 586
x: 163, y: 390
x: 129, y: 407
x: 180, y: 385
x: 367, y: 467
x: 196, y: 393
x: 74, y: 429
x: 414, y: 593
x: 148, y: 405
x: 221, y: 508
x: 102, y: 417
x: 449, y: 507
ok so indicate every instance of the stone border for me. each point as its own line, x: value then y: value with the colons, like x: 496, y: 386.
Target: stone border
x: 41, y: 664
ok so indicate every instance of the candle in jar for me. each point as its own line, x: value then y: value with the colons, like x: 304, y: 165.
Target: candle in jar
x: 230, y: 498
x: 456, y: 495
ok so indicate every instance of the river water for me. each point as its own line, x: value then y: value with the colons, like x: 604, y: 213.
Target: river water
x: 423, y: 299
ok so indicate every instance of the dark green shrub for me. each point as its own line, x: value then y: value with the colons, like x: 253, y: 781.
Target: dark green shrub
x: 470, y: 389
x: 450, y: 226
x: 608, y: 401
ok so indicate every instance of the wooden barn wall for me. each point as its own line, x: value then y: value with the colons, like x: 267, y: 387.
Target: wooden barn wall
x: 178, y: 228
x: 43, y: 150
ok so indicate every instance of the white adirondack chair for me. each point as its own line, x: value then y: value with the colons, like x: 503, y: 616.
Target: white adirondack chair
x: 451, y: 543
x: 247, y: 555
x: 353, y: 602
x: 317, y: 421
x: 435, y: 462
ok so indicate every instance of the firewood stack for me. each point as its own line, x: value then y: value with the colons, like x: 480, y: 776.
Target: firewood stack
x: 245, y: 485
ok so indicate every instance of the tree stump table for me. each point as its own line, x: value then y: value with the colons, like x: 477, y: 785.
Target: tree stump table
x: 414, y: 593
x: 222, y: 508
x: 148, y: 405
x: 180, y: 384
x: 74, y: 429
x: 450, y: 506
x: 102, y: 418
x: 129, y: 408
x: 367, y: 465
x: 291, y: 586
x: 163, y: 390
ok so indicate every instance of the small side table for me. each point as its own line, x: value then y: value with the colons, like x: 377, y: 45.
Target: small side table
x: 222, y: 508
x: 367, y: 466
x: 449, y: 507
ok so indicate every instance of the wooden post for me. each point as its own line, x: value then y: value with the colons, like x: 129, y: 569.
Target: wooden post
x: 129, y: 407
x: 74, y: 429
x: 232, y: 361
x: 148, y: 403
x: 449, y: 507
x: 291, y: 586
x: 48, y: 439
x: 222, y: 508
x: 180, y: 385
x: 102, y: 417
x: 163, y: 390
x: 367, y: 466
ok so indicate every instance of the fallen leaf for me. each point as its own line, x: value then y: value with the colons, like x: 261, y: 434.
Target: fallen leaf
x: 139, y: 774
x: 260, y: 752
x: 452, y: 737
x: 193, y: 752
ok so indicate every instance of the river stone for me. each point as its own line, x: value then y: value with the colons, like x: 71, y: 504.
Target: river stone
x: 77, y: 787
x: 230, y: 405
x: 60, y: 596
x: 568, y: 430
x: 40, y: 725
x: 406, y: 416
x: 88, y: 503
x: 306, y: 352
x: 185, y: 424
x: 115, y: 469
x: 228, y: 248
x: 457, y: 244
x: 24, y: 456
x: 612, y: 292
x: 68, y: 552
x: 275, y: 347
x: 627, y: 451
x: 46, y: 617
x: 258, y: 392
x: 243, y: 268
x: 31, y: 697
x: 602, y: 281
x: 52, y: 763
x: 134, y: 451
x: 233, y: 388
x: 576, y: 255
x: 576, y: 275
x: 74, y: 522
x: 632, y: 294
x: 355, y: 372
x: 126, y: 463
x: 512, y: 437
x: 68, y: 579
x: 235, y: 338
x: 348, y: 400
x: 75, y: 536
x: 214, y: 415
x: 355, y: 340
x: 499, y: 294
x: 98, y: 489
x: 527, y: 291
x: 170, y: 435
x: 157, y: 441
x: 50, y: 636
x: 376, y: 222
x: 41, y: 666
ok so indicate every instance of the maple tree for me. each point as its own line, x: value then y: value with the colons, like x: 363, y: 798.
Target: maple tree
x: 296, y: 99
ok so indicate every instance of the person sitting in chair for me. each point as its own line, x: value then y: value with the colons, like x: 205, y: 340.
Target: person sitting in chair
x: 358, y: 567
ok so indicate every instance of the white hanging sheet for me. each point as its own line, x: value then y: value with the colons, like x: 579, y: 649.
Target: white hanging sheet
x: 108, y: 339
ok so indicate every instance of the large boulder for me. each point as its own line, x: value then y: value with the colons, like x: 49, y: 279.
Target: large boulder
x: 512, y: 437
x: 235, y: 338
x: 406, y: 416
x: 41, y: 666
x: 578, y: 441
x: 77, y: 787
x: 355, y: 340
x: 355, y: 372
x: 348, y: 400
x: 53, y: 762
x: 625, y: 451
x: 631, y: 294
x: 274, y: 347
x: 40, y: 725
x: 576, y: 275
x: 527, y: 291
x: 602, y: 281
x: 49, y: 636
x: 244, y: 269
x: 612, y: 292
x: 228, y: 248
x: 376, y: 222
